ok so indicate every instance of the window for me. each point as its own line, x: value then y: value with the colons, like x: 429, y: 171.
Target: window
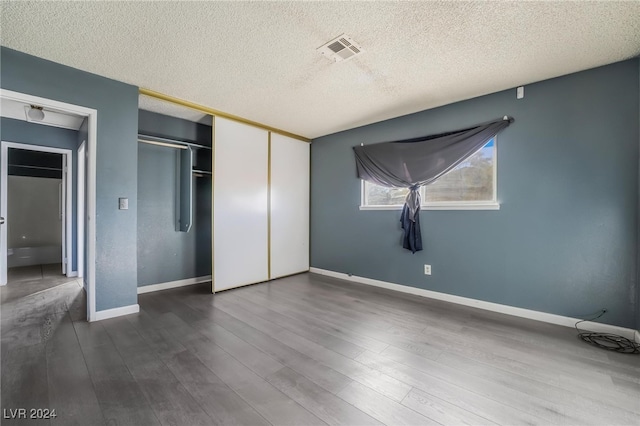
x: 470, y: 185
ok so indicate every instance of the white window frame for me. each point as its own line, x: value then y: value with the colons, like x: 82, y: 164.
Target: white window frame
x: 447, y: 205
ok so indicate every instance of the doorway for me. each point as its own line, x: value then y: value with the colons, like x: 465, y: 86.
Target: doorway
x: 83, y: 260
x: 37, y: 216
x: 36, y: 204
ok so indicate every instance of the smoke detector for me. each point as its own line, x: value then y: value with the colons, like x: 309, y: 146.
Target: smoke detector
x: 341, y: 48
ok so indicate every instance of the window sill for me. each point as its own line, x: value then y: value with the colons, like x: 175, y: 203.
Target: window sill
x: 442, y: 206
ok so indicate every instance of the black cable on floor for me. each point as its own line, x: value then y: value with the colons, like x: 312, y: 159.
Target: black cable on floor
x: 608, y: 341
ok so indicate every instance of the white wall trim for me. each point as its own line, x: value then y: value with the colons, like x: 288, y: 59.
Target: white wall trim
x: 173, y: 284
x: 80, y: 207
x: 488, y: 306
x: 116, y: 312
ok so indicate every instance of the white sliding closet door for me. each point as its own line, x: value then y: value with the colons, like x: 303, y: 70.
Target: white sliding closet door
x: 240, y: 218
x: 289, y: 206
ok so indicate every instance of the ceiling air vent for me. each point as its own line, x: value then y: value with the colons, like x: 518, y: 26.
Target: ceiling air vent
x: 340, y: 48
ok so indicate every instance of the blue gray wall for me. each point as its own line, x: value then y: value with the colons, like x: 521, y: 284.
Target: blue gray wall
x: 117, y: 163
x: 36, y: 134
x: 565, y: 238
x: 165, y: 254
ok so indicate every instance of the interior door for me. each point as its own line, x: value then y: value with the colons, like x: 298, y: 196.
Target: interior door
x: 240, y: 218
x: 289, y: 206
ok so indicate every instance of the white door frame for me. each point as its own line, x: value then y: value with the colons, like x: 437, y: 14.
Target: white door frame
x: 65, y: 207
x: 82, y: 161
x: 92, y: 140
x: 65, y: 214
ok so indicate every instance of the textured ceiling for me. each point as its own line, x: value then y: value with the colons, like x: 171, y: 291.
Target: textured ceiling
x: 258, y: 60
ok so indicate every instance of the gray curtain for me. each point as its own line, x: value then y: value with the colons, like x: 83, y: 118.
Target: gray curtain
x: 412, y: 163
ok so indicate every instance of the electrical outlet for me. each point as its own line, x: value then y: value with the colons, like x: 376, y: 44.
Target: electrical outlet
x: 123, y: 203
x: 427, y: 269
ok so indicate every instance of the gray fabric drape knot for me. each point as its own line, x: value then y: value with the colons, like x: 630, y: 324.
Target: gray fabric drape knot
x: 413, y: 201
x: 412, y: 163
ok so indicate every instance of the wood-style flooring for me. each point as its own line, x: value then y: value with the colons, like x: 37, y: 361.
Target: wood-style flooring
x: 34, y: 273
x: 303, y: 350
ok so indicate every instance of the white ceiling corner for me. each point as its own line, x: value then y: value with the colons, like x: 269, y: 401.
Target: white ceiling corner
x: 258, y: 60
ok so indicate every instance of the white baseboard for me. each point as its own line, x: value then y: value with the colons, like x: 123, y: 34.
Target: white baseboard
x: 488, y: 306
x: 72, y: 274
x: 117, y: 312
x: 173, y: 284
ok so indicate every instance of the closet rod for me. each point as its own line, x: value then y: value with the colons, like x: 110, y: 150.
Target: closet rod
x: 168, y: 145
x: 171, y: 142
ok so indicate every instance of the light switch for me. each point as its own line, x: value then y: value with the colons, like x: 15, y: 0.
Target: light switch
x: 123, y: 203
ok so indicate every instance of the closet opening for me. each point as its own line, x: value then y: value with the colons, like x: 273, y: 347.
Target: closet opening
x: 174, y: 195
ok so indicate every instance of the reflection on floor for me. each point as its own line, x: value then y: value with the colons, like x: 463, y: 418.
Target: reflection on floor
x: 37, y: 303
x: 34, y: 272
x: 27, y: 284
